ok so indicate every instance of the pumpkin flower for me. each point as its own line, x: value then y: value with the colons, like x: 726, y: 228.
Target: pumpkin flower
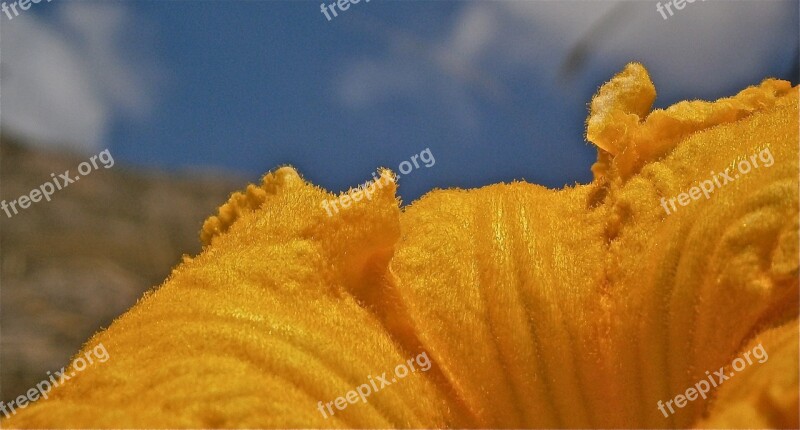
x: 588, y: 306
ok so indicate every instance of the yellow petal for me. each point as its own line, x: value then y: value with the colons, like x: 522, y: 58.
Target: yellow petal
x: 578, y: 307
x: 258, y: 329
x: 765, y: 394
x: 545, y: 308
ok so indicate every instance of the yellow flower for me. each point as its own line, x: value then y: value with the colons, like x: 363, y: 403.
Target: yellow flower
x: 590, y: 306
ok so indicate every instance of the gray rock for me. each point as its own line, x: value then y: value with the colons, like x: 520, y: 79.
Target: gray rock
x: 68, y: 267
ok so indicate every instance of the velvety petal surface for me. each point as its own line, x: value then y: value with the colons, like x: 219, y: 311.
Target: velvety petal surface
x: 258, y: 329
x: 580, y: 307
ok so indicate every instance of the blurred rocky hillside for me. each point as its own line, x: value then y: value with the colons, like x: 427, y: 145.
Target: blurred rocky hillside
x: 68, y: 267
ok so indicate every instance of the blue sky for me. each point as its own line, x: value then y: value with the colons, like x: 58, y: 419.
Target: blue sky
x: 246, y: 86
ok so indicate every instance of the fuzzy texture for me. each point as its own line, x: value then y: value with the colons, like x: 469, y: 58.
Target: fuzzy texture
x: 578, y: 307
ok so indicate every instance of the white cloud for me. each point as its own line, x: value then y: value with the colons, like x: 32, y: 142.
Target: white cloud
x: 67, y: 76
x: 708, y: 46
x: 703, y: 49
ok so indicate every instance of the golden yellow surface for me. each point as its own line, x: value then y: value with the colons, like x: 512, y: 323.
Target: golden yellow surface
x: 580, y: 307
